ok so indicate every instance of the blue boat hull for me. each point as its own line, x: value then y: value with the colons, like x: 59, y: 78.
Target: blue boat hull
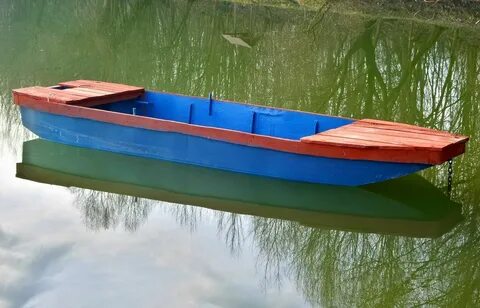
x: 206, y: 152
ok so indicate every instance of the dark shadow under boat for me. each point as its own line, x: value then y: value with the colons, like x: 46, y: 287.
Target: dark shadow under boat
x: 408, y: 206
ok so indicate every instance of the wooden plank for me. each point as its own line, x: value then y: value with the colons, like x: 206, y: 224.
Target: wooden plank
x: 347, y: 141
x: 108, y: 88
x: 406, y: 134
x: 94, y: 93
x: 378, y: 136
x: 49, y: 95
x: 89, y: 91
x: 374, y: 133
x: 86, y: 94
x: 379, y: 139
x: 100, y: 85
x: 100, y: 100
x: 401, y: 127
x: 395, y: 124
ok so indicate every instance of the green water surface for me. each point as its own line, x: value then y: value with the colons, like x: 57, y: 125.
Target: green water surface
x: 78, y: 247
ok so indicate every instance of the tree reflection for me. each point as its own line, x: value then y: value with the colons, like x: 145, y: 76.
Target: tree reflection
x: 342, y: 65
x: 106, y: 210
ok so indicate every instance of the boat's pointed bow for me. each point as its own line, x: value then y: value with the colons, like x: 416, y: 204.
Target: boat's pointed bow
x: 377, y: 140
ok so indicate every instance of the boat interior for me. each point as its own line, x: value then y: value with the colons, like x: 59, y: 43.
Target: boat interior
x: 287, y: 124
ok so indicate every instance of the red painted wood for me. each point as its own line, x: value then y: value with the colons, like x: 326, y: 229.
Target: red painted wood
x: 346, y: 141
x: 379, y: 136
x: 100, y: 85
x: 389, y: 146
x: 389, y: 135
x: 401, y: 127
x: 81, y: 93
x: 48, y: 94
x: 405, y: 134
x: 87, y: 92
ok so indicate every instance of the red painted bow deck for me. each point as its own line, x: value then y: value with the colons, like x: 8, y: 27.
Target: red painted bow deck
x: 416, y: 143
x: 363, y: 139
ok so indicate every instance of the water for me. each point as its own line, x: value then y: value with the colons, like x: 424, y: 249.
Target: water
x: 87, y: 248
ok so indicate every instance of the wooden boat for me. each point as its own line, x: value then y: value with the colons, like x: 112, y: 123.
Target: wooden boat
x: 243, y: 138
x: 408, y: 206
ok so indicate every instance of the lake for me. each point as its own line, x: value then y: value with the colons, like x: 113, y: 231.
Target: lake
x: 84, y: 228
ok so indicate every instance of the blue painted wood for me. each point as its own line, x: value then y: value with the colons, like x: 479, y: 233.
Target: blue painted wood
x: 281, y: 123
x: 212, y: 153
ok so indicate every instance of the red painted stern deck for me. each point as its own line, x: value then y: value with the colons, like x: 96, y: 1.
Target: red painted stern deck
x: 84, y: 93
x: 409, y: 142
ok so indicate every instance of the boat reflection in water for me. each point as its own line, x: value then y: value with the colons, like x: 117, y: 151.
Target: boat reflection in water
x: 409, y: 206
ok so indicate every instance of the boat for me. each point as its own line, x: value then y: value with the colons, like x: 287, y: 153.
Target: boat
x: 243, y: 138
x: 409, y: 206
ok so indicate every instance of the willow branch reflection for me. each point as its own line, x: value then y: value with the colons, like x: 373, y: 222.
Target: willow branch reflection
x: 331, y: 267
x: 102, y: 211
x: 329, y: 63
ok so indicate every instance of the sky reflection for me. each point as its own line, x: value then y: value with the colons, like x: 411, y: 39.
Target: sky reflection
x: 48, y: 257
